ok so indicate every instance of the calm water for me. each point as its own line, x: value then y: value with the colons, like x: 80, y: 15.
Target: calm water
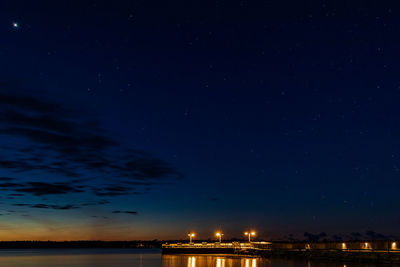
x: 143, y: 257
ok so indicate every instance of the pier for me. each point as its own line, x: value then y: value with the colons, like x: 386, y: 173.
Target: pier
x: 210, y: 248
x: 352, y: 251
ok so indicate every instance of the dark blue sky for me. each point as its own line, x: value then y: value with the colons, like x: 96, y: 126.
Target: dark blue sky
x: 144, y: 119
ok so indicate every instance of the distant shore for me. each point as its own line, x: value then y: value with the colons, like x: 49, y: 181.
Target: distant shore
x: 78, y: 244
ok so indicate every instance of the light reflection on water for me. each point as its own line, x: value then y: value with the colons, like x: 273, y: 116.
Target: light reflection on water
x: 209, y: 261
x: 220, y: 262
x: 191, y: 262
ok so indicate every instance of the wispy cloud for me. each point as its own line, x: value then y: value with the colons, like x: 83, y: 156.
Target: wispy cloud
x: 79, y: 153
x: 40, y: 188
x: 45, y: 206
x: 125, y: 212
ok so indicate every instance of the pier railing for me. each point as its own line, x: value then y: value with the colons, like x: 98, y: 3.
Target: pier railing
x: 204, y: 245
x: 234, y: 245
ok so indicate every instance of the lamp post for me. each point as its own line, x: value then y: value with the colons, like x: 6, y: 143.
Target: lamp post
x: 251, y: 233
x: 191, y: 235
x: 219, y: 235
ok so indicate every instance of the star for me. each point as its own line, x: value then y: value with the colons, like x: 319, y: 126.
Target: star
x: 15, y: 25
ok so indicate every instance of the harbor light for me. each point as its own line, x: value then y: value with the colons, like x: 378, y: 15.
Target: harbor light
x: 344, y: 246
x: 394, y: 245
x: 249, y: 234
x: 219, y: 235
x: 191, y: 235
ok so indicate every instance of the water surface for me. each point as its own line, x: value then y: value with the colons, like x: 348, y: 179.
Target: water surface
x: 143, y: 258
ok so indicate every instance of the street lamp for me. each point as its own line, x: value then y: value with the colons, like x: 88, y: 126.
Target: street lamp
x: 251, y: 233
x: 191, y: 235
x: 219, y: 235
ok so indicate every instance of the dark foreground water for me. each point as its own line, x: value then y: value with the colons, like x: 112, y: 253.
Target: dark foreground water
x: 145, y: 258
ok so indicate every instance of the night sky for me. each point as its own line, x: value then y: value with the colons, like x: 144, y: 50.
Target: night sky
x: 146, y: 119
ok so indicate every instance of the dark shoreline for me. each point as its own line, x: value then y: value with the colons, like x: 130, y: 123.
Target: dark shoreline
x: 77, y: 244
